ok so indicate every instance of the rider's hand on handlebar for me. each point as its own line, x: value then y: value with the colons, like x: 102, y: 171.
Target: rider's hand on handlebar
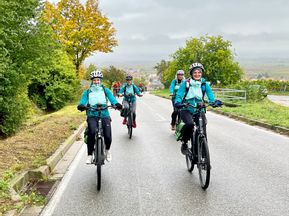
x: 118, y: 106
x: 81, y: 107
x: 179, y: 105
x: 217, y: 103
x: 120, y: 95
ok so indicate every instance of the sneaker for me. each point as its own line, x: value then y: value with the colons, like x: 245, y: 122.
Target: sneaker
x: 184, y: 148
x: 134, y: 124
x: 89, y: 159
x: 124, y: 121
x: 108, y: 155
x: 173, y: 127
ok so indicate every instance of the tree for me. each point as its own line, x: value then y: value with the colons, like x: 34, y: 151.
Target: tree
x: 81, y: 29
x: 15, y: 29
x: 160, y: 68
x: 113, y: 74
x: 214, y: 53
x: 90, y: 68
x: 30, y: 57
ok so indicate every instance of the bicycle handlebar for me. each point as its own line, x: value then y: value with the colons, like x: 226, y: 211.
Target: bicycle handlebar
x: 100, y: 108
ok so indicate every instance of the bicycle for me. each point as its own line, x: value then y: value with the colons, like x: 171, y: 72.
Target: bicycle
x: 98, y: 152
x: 198, y: 151
x: 129, y: 115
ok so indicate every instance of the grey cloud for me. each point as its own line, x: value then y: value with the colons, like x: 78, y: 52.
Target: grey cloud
x: 153, y: 29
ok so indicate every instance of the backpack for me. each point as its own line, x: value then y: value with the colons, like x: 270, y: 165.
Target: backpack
x: 203, y: 87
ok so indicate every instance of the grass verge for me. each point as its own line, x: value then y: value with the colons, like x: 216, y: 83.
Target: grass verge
x: 264, y: 111
x: 36, y: 141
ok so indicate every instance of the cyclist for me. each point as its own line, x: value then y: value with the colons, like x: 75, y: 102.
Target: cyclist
x: 192, y: 91
x: 97, y: 95
x: 129, y: 89
x: 174, y: 87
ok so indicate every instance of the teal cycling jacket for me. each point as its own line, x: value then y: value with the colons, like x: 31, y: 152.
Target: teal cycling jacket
x: 109, y: 97
x: 133, y: 89
x: 174, y: 87
x: 194, y: 101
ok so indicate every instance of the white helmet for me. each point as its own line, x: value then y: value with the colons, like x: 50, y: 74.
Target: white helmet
x: 96, y: 74
x: 180, y: 72
x: 196, y: 65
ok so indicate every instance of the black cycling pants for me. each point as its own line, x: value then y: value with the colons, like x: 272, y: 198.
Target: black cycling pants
x: 174, y: 114
x: 92, y: 125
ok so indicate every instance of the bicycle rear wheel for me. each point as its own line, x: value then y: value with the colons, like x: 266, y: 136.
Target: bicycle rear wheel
x: 204, y: 165
x: 129, y: 125
x: 99, y: 162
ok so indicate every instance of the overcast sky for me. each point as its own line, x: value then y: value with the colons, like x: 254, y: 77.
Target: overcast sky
x: 151, y: 30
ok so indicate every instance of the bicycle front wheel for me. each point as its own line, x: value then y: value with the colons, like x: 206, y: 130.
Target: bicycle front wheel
x: 99, y: 162
x: 204, y: 165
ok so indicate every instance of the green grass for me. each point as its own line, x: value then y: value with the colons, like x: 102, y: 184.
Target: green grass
x: 282, y: 93
x: 29, y: 148
x: 264, y: 111
x: 162, y: 92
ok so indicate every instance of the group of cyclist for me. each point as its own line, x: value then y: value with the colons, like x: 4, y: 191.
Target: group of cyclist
x: 191, y: 91
x: 98, y: 96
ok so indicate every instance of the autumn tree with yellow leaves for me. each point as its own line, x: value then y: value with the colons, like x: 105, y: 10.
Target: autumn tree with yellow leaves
x: 81, y: 29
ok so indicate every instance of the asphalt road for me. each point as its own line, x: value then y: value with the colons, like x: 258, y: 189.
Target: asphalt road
x: 279, y: 99
x: 148, y: 176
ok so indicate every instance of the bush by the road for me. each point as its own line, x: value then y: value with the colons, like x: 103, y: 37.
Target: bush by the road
x: 254, y: 92
x: 30, y: 59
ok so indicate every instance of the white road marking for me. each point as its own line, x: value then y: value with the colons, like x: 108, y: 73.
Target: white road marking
x: 49, y: 209
x: 159, y: 117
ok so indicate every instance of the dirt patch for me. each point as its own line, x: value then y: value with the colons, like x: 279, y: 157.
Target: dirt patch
x: 38, y: 140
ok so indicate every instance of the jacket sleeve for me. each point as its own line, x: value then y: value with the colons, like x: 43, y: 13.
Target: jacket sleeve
x: 110, y: 97
x: 121, y: 91
x: 84, y: 99
x: 172, y: 86
x: 210, y: 93
x: 181, y: 93
x: 137, y: 91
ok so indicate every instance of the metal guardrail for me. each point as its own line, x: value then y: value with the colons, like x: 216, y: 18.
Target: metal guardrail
x: 226, y: 94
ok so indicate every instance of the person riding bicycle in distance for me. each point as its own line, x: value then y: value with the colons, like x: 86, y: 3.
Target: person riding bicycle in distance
x: 97, y: 95
x: 129, y: 90
x: 174, y: 87
x: 192, y: 91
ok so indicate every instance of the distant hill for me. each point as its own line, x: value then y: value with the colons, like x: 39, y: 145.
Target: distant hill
x: 266, y: 68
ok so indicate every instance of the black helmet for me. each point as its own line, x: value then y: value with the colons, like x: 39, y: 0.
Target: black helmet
x: 195, y: 66
x: 128, y: 77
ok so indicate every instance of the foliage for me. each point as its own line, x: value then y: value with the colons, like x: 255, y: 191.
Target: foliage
x: 56, y: 84
x: 15, y: 31
x: 272, y: 85
x: 254, y: 92
x: 30, y: 57
x: 81, y: 29
x: 113, y: 74
x: 160, y: 68
x: 214, y: 53
x: 90, y: 68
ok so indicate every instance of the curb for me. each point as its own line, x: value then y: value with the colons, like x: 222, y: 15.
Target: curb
x: 278, y: 129
x: 21, y: 180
